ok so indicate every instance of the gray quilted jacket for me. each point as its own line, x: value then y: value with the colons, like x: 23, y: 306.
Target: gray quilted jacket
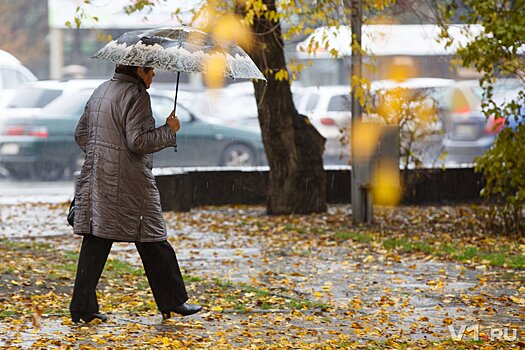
x: 116, y: 195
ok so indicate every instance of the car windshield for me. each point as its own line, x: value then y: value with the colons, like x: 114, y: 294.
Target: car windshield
x: 242, y: 106
x: 507, y: 87
x: 33, y: 97
x: 161, y: 106
x: 446, y: 98
x: 71, y: 105
x: 340, y: 103
x: 297, y: 97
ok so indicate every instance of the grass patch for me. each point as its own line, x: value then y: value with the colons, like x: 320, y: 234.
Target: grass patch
x: 300, y: 304
x: 320, y: 231
x: 241, y: 308
x: 8, y: 313
x: 70, y: 267
x: 143, y: 284
x: 517, y: 262
x: 457, y: 252
x: 502, y: 259
x: 249, y: 289
x: 189, y: 278
x: 306, y: 304
x: 223, y: 284
x: 354, y: 236
x: 445, y: 344
x: 302, y: 230
x: 18, y: 245
x: 121, y: 267
x: 238, y: 305
x: 70, y: 255
x: 288, y: 227
x: 423, y: 247
x: 263, y: 299
x: 449, y: 249
x: 467, y: 253
x: 266, y: 306
x: 499, y: 259
x: 407, y: 246
x: 231, y: 298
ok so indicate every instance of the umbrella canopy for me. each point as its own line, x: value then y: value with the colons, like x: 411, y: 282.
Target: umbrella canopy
x: 178, y: 49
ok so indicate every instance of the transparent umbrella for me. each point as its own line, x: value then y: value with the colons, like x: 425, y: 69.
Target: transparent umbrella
x: 178, y: 49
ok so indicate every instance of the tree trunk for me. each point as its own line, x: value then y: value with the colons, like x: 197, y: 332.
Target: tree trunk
x: 294, y: 148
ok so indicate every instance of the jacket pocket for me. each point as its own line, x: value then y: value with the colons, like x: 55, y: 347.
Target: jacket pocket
x: 141, y: 221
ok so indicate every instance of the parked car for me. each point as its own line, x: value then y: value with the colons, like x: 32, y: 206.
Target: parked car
x: 44, y: 146
x: 234, y: 105
x: 439, y: 99
x: 205, y: 140
x: 470, y: 134
x: 329, y: 109
x: 449, y: 96
x: 12, y: 74
x: 29, y: 98
x: 468, y: 137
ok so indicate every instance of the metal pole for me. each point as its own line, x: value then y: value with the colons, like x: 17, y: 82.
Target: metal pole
x: 361, y: 200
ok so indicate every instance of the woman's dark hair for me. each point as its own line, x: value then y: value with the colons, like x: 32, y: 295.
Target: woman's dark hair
x: 130, y: 70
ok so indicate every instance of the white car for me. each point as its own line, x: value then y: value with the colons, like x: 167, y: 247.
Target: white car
x: 29, y: 99
x: 12, y: 75
x: 235, y: 104
x: 329, y: 109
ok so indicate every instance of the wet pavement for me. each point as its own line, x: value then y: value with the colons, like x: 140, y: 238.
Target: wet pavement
x: 14, y: 191
x: 360, y: 293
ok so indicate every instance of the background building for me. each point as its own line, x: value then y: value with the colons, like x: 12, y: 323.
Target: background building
x: 37, y: 32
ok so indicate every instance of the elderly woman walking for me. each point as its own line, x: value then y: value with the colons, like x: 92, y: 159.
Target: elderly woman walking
x: 116, y: 196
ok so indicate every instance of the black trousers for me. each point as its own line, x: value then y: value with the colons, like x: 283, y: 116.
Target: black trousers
x: 160, y: 264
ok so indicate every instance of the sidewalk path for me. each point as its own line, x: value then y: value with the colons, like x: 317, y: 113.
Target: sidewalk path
x: 266, y: 282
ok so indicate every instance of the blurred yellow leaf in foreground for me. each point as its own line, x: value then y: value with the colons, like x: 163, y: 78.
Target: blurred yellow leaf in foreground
x: 214, y: 71
x: 386, y: 184
x: 365, y: 139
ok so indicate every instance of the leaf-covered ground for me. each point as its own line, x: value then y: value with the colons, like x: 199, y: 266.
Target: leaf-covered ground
x: 410, y: 281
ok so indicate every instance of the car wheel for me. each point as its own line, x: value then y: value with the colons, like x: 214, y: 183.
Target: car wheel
x: 49, y: 171
x: 18, y: 173
x: 75, y: 165
x: 238, y: 155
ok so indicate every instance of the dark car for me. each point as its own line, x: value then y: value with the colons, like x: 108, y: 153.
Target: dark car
x: 429, y: 104
x: 470, y: 134
x: 44, y: 146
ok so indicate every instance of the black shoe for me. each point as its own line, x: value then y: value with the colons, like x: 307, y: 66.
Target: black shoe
x: 183, y: 309
x: 76, y: 317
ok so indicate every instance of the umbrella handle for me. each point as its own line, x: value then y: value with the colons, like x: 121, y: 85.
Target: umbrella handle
x: 175, y: 102
x: 176, y: 93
